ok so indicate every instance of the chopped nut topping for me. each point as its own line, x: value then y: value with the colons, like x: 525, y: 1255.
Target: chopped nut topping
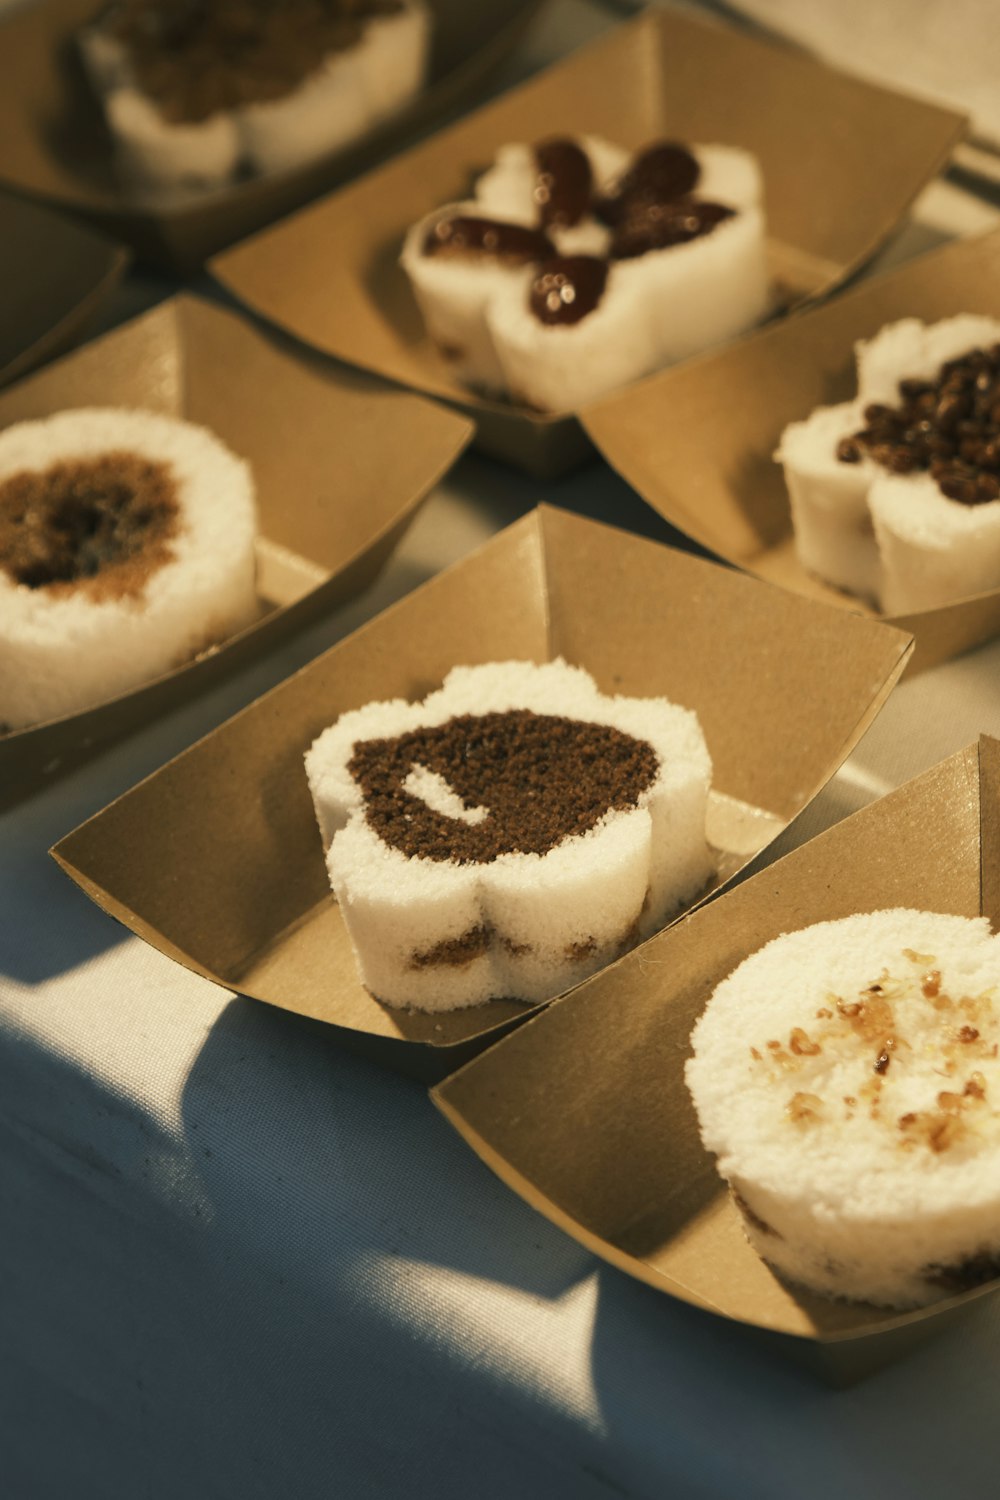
x: 941, y: 1128
x: 802, y: 1108
x: 823, y: 1014
x: 968, y: 1033
x: 930, y: 983
x: 757, y: 1056
x: 801, y: 1044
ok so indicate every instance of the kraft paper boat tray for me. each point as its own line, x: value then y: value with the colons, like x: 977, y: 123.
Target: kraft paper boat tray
x: 339, y: 470
x: 54, y: 276
x: 697, y: 442
x: 330, y: 274
x: 216, y: 859
x: 585, y: 1113
x: 54, y: 144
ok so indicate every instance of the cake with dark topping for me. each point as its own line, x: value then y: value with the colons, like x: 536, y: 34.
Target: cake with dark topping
x: 895, y: 496
x: 126, y: 547
x: 510, y: 834
x: 627, y: 263
x: 197, y: 92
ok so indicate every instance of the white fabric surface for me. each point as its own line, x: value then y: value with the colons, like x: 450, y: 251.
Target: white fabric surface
x: 944, y: 50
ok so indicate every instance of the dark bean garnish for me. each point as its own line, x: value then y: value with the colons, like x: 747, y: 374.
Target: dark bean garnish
x: 949, y: 426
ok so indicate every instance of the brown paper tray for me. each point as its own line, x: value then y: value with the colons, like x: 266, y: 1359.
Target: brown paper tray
x: 54, y: 276
x: 585, y: 1113
x: 217, y: 861
x: 697, y: 441
x: 831, y: 198
x: 54, y: 144
x: 340, y: 471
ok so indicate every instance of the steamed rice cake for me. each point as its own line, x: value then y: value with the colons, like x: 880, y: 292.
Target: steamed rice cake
x: 639, y: 260
x: 847, y: 1078
x: 895, y: 495
x: 126, y: 547
x: 509, y: 835
x: 195, y: 95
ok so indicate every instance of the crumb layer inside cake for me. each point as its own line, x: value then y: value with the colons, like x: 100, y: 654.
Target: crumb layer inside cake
x: 541, y: 777
x: 104, y: 523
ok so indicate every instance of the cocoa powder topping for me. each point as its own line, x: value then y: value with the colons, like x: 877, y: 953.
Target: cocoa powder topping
x: 102, y: 524
x: 543, y: 778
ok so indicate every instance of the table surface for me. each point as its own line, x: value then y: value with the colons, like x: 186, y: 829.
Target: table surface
x: 235, y: 1261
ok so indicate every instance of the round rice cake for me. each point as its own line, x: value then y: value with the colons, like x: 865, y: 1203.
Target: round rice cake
x: 846, y: 1077
x: 126, y: 547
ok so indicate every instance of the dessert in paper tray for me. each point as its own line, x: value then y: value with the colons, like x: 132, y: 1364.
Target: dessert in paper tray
x: 579, y: 267
x: 126, y: 547
x: 511, y: 834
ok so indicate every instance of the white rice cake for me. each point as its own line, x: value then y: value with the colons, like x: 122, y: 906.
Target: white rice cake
x: 455, y: 293
x: 657, y: 308
x: 66, y: 646
x: 847, y: 1078
x: 349, y: 93
x: 565, y: 367
x: 438, y: 932
x: 895, y: 539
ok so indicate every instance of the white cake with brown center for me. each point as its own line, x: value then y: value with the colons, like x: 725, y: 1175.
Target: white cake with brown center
x: 510, y: 834
x: 198, y: 93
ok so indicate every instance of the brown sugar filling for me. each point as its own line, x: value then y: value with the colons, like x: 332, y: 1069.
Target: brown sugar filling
x: 196, y: 57
x: 101, y: 524
x: 543, y: 778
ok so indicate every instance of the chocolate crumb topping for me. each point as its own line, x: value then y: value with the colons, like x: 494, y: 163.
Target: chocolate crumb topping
x: 543, y: 778
x: 468, y: 236
x: 196, y: 57
x: 567, y: 288
x: 103, y: 524
x: 562, y: 189
x: 657, y: 226
x: 948, y: 427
